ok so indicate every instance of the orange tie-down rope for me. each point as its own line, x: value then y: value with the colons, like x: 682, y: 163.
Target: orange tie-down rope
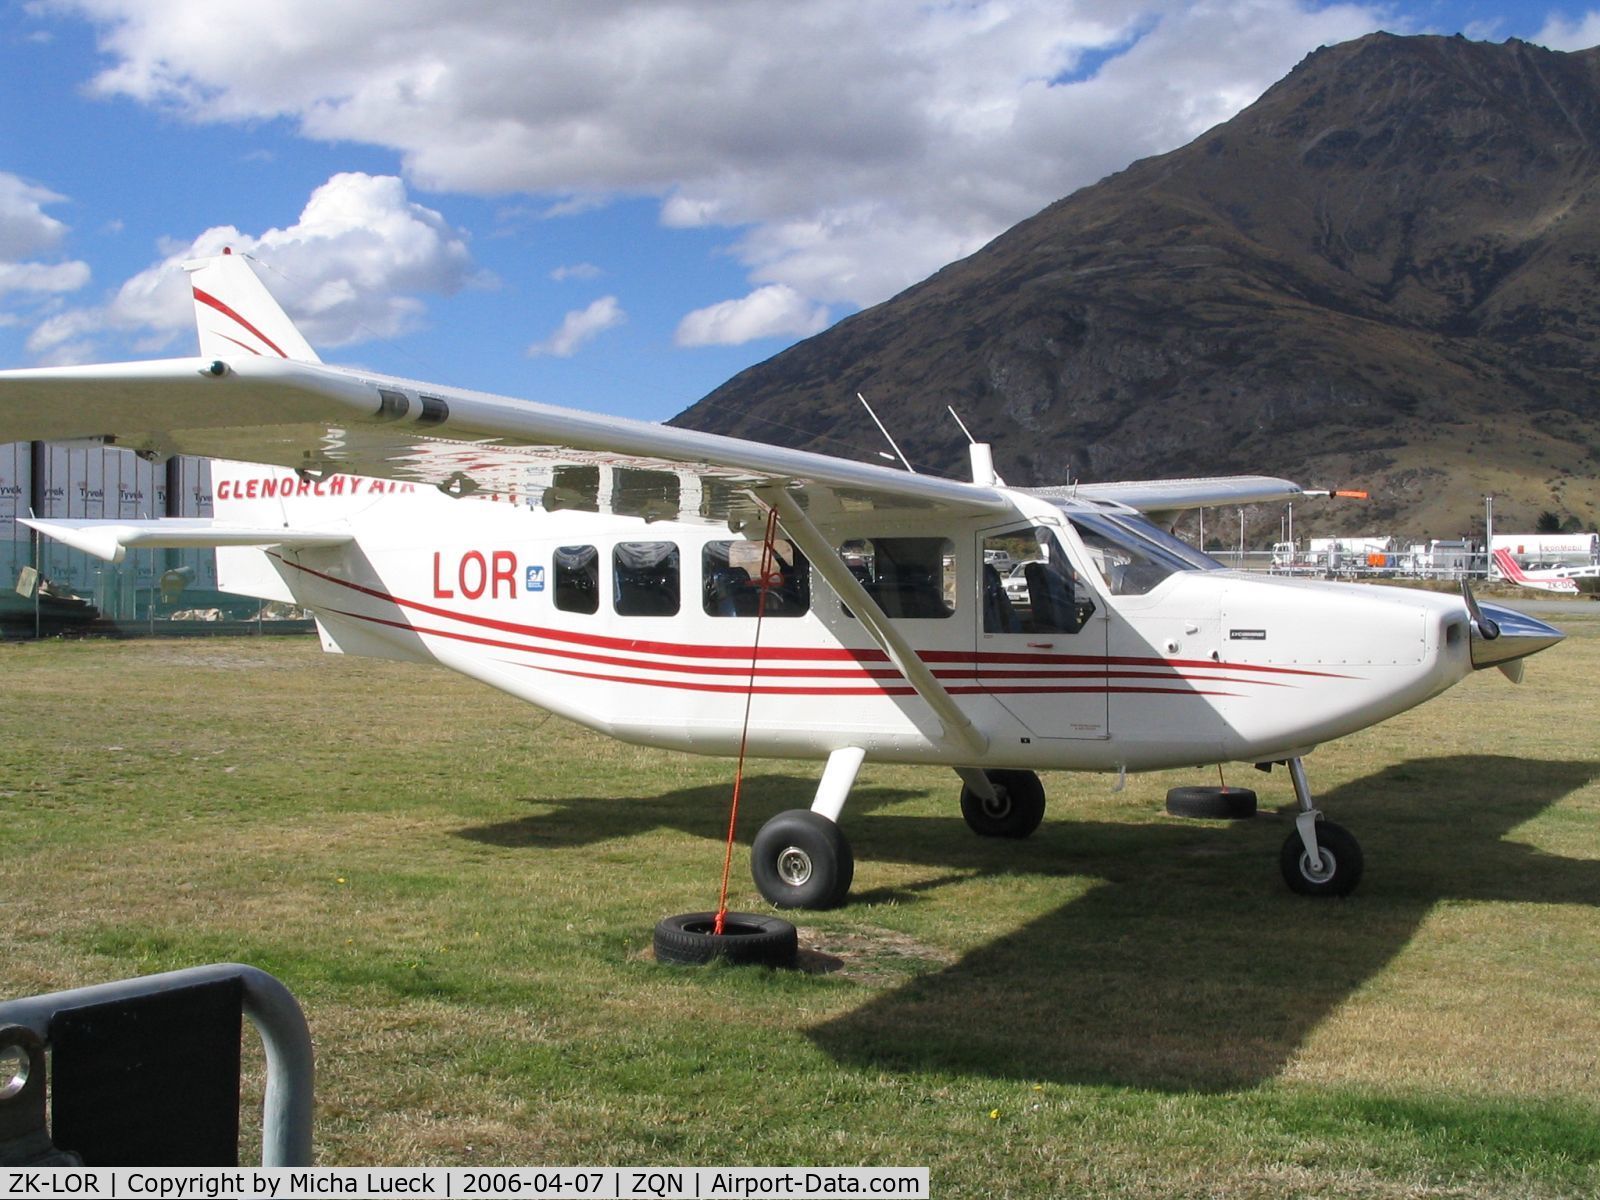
x: 767, y: 555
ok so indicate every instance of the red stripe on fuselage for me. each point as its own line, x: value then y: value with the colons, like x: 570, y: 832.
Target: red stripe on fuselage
x: 600, y: 641
x: 794, y: 653
x: 1020, y: 682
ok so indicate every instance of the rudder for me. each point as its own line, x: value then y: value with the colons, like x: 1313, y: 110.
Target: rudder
x: 234, y: 311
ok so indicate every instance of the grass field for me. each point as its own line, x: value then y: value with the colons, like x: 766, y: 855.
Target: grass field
x: 461, y: 891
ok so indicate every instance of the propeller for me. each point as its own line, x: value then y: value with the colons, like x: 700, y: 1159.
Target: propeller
x: 1503, y: 637
x: 1487, y: 629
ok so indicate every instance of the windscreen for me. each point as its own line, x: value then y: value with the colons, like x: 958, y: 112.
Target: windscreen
x: 1131, y: 554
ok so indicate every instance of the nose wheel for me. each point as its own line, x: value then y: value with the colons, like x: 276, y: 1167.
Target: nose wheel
x: 1319, y: 858
x: 1334, y: 871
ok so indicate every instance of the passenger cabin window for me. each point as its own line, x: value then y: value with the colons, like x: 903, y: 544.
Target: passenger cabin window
x: 731, y: 580
x: 645, y: 579
x: 577, y: 578
x: 1040, y: 590
x: 909, y: 577
x: 1132, y: 555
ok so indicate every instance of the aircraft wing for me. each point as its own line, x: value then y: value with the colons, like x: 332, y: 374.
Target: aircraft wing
x: 323, y: 420
x: 1176, y: 495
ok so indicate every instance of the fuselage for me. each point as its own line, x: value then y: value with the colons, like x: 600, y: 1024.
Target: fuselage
x: 1133, y: 652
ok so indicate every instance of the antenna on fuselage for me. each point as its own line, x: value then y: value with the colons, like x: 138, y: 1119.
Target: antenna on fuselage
x: 980, y: 454
x: 955, y: 416
x: 905, y: 462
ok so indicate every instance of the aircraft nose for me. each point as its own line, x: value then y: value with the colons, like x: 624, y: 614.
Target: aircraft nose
x: 1518, y: 636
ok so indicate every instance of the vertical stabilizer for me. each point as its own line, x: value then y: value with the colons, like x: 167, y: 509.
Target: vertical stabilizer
x: 235, y: 312
x: 1508, y: 567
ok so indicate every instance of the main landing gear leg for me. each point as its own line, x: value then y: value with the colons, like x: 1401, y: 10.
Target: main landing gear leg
x: 1319, y: 858
x: 800, y: 859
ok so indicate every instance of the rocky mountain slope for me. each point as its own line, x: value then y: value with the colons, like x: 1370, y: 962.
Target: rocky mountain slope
x: 1385, y: 273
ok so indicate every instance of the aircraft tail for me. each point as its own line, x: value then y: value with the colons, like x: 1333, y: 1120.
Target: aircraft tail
x: 234, y: 312
x: 1510, y: 569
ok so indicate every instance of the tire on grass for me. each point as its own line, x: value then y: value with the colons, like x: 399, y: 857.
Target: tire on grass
x: 1215, y: 803
x: 747, y: 939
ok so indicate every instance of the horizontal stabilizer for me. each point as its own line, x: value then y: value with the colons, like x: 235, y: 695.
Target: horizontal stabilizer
x: 111, y: 540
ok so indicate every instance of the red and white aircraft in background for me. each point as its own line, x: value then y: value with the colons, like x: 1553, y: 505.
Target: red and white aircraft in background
x: 1564, y: 580
x: 613, y: 571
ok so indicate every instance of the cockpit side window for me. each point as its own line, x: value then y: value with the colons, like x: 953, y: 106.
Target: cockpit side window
x: 1041, y: 591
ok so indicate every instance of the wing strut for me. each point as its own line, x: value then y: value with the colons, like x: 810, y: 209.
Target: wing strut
x: 958, y: 727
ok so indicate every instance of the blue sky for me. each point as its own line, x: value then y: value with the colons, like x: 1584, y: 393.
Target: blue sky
x: 613, y: 206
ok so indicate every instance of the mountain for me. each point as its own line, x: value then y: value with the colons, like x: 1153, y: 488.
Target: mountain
x: 1382, y: 274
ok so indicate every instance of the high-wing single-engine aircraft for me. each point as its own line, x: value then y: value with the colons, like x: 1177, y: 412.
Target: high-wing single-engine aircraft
x: 1567, y: 580
x: 685, y: 590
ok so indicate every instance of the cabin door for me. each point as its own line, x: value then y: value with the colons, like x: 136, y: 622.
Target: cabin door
x: 1042, y: 634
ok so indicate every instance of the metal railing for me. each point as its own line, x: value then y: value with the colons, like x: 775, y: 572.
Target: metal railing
x: 271, y: 1008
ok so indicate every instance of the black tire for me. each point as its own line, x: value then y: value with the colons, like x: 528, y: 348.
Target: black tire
x: 1216, y: 803
x: 1342, y: 862
x: 802, y: 860
x: 747, y: 939
x: 1014, y: 813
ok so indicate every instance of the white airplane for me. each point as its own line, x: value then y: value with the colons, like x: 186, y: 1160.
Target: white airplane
x: 696, y: 592
x: 1564, y: 580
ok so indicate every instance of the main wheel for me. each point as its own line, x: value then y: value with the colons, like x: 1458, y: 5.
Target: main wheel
x: 1228, y: 804
x: 747, y: 939
x: 1015, y: 811
x: 1338, y: 872
x: 801, y: 860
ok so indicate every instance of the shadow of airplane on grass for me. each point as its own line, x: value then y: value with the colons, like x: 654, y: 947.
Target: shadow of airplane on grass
x: 1188, y: 966
x: 698, y: 811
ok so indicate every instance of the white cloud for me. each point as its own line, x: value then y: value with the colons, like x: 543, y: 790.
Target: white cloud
x: 581, y: 270
x: 25, y: 228
x: 776, y: 310
x: 346, y: 271
x: 853, y: 147
x: 1569, y: 33
x: 580, y: 327
x: 43, y: 277
x: 26, y: 231
x: 65, y: 338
